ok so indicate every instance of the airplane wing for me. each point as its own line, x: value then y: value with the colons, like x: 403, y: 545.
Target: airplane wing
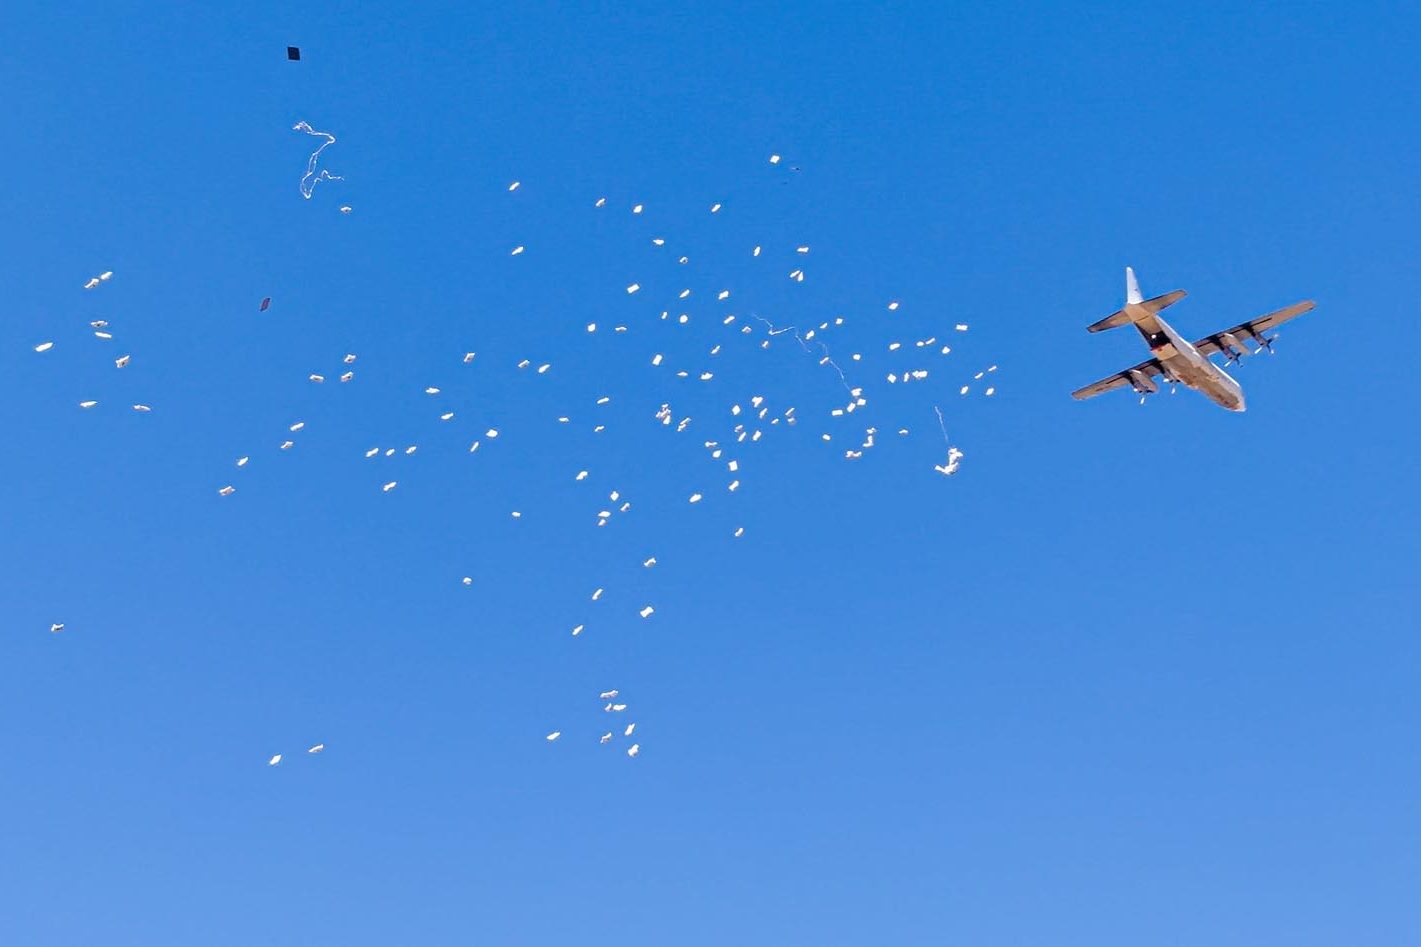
x: 1253, y: 329
x: 1150, y: 369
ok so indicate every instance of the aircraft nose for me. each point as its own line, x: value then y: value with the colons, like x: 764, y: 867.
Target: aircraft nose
x: 1238, y: 404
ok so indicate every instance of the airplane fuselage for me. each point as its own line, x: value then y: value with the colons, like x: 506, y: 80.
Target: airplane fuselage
x: 1183, y: 363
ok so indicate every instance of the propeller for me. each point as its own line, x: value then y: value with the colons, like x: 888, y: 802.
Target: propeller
x: 1266, y: 342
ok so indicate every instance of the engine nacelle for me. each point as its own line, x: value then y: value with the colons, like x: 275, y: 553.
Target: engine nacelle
x: 1143, y: 383
x: 1233, y: 348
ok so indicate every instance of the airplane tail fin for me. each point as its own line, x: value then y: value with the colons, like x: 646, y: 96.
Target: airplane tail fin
x: 1140, y: 305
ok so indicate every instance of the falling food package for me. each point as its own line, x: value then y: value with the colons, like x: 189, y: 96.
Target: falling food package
x: 293, y: 53
x: 746, y: 410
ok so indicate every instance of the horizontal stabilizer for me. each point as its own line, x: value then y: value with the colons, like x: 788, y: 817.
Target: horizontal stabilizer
x: 1151, y: 306
x: 1159, y: 302
x: 1114, y: 320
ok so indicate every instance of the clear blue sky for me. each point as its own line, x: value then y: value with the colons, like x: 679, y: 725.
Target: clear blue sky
x: 1134, y: 676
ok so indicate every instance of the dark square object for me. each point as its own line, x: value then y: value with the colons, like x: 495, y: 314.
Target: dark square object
x: 293, y: 53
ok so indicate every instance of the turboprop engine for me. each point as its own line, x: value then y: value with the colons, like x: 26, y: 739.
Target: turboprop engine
x: 1233, y: 348
x: 1143, y: 383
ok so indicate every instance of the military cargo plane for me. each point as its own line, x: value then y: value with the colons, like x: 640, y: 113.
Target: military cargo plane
x: 1180, y: 362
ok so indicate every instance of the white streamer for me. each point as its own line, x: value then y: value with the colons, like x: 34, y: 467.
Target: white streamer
x: 311, y: 178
